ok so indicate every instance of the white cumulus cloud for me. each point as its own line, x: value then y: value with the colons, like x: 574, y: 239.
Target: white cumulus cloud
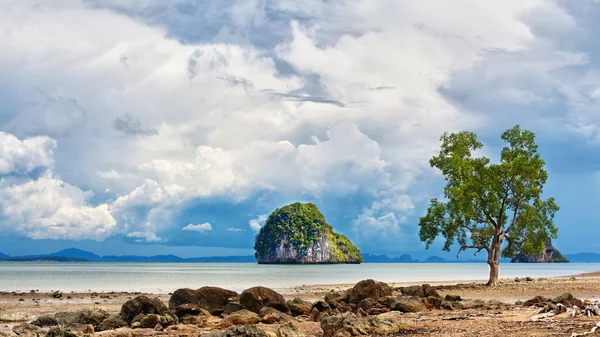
x: 205, y: 227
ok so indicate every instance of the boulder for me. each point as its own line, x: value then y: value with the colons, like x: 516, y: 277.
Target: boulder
x: 58, y: 332
x: 44, y: 321
x: 453, y: 298
x: 372, y: 307
x: 215, y: 299
x: 270, y: 315
x: 232, y: 307
x: 183, y: 296
x: 111, y: 323
x: 68, y: 317
x: 93, y: 317
x: 256, y: 298
x: 241, y: 317
x: 384, y: 324
x: 538, y: 301
x: 289, y: 330
x: 422, y: 291
x: 193, y: 320
x: 150, y: 321
x: 407, y: 304
x: 369, y: 289
x: 238, y: 331
x: 142, y: 305
x: 433, y: 302
x: 187, y: 309
x: 299, y: 307
x: 568, y: 300
x: 322, y: 306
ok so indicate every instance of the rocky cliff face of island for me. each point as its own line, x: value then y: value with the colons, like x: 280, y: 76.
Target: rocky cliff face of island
x: 550, y: 254
x: 298, y: 233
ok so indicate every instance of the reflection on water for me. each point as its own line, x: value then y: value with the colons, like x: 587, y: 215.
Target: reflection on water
x: 165, y: 277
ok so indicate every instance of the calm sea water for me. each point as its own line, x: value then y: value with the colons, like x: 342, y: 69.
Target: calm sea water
x: 166, y: 277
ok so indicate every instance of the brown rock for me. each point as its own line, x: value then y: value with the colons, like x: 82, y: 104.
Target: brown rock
x: 299, y: 307
x: 44, y: 321
x: 256, y: 298
x: 538, y: 301
x: 568, y: 300
x: 112, y: 323
x: 369, y: 289
x: 422, y: 291
x: 241, y: 317
x: 142, y: 305
x: 213, y: 299
x: 453, y: 298
x: 289, y: 330
x: 322, y: 306
x: 407, y: 304
x: 384, y: 324
x: 26, y: 330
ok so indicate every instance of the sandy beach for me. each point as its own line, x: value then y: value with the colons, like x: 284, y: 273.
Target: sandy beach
x: 499, y: 316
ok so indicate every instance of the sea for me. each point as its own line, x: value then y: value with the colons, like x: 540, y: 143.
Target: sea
x: 166, y: 277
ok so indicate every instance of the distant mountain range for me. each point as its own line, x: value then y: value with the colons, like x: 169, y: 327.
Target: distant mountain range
x: 78, y: 255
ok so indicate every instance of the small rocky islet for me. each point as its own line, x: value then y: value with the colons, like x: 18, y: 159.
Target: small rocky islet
x: 368, y: 308
x: 298, y: 234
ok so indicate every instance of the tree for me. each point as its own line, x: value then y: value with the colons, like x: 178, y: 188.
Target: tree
x: 497, y: 208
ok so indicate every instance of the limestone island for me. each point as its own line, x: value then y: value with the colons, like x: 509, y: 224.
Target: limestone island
x: 298, y: 234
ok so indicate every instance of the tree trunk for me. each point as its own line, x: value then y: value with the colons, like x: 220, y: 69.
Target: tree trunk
x: 494, y: 258
x: 493, y: 281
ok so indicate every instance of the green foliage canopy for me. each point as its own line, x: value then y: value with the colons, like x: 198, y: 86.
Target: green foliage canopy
x: 486, y: 204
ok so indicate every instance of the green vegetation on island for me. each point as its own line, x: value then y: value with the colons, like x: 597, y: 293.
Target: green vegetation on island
x: 549, y: 255
x: 298, y: 233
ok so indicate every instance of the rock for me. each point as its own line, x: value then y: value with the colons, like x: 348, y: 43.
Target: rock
x: 136, y: 325
x: 433, y: 302
x: 193, y: 320
x: 44, y: 321
x: 142, y: 305
x: 149, y: 321
x: 289, y: 330
x: 244, y: 331
x: 422, y: 291
x: 111, y: 323
x: 93, y: 317
x: 182, y: 297
x: 57, y: 294
x: 232, y: 307
x: 58, y: 332
x: 299, y: 307
x: 407, y: 304
x: 315, y: 315
x: 256, y: 298
x: 453, y: 298
x: 384, y: 324
x: 81, y: 329
x: 158, y: 327
x: 213, y: 299
x: 373, y: 307
x: 568, y: 300
x: 322, y: 306
x: 369, y: 289
x: 26, y: 330
x: 538, y: 301
x: 68, y: 317
x: 298, y: 233
x: 240, y: 318
x: 270, y: 315
x: 187, y: 309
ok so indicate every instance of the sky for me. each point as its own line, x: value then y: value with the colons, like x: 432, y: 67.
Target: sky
x: 153, y: 127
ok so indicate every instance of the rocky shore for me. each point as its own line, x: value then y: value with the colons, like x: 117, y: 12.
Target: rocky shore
x: 540, y: 307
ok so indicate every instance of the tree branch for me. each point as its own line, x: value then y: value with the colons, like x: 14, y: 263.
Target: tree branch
x: 478, y: 247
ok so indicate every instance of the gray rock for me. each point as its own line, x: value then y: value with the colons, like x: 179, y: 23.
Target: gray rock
x: 232, y: 307
x: 44, y: 321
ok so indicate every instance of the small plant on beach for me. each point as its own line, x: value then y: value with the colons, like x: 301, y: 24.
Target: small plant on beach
x: 497, y: 208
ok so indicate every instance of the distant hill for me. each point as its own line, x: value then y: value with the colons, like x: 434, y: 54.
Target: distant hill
x: 405, y: 258
x: 435, y: 259
x: 77, y: 254
x: 583, y: 257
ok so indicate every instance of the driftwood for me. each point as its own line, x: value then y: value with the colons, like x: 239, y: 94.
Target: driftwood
x: 593, y: 330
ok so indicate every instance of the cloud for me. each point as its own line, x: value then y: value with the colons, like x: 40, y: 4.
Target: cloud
x: 43, y: 206
x: 23, y: 157
x: 205, y: 227
x: 235, y: 229
x: 256, y: 224
x: 144, y: 237
x: 267, y: 101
